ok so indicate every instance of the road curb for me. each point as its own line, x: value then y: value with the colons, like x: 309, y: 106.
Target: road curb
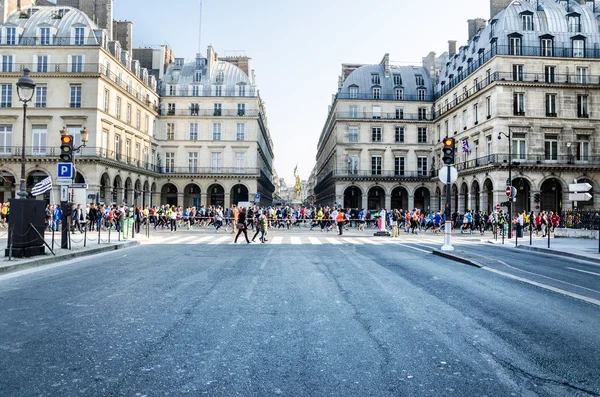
x: 28, y: 264
x: 560, y: 253
x: 455, y: 257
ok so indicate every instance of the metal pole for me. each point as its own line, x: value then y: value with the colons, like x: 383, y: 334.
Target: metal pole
x: 64, y: 237
x: 448, y: 224
x: 517, y: 236
x: 23, y: 186
x: 549, y: 228
x: 510, y: 178
x: 84, y: 235
x: 530, y: 229
x: 99, y: 227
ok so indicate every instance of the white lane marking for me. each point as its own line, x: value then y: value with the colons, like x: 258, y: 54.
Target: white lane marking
x: 333, y: 241
x: 201, y: 240
x: 583, y: 271
x: 295, y: 241
x: 415, y: 248
x: 365, y: 240
x: 221, y: 240
x: 548, y: 287
x: 277, y: 240
x: 384, y: 240
x: 315, y: 241
x: 353, y: 241
x: 183, y: 240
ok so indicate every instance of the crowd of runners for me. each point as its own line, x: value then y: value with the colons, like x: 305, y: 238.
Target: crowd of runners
x: 324, y: 219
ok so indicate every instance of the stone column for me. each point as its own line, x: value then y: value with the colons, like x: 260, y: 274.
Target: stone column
x: 388, y: 202
x: 411, y: 202
x: 203, y: 199
x: 365, y: 201
x: 227, y: 200
x: 180, y: 199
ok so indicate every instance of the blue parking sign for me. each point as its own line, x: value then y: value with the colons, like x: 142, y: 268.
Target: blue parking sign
x: 64, y: 170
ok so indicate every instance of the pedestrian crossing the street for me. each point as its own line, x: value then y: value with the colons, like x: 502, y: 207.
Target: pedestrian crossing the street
x: 431, y: 241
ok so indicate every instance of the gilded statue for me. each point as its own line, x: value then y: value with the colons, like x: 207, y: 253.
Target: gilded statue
x: 297, y: 185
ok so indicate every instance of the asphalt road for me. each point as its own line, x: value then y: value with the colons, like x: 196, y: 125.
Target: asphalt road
x: 263, y: 320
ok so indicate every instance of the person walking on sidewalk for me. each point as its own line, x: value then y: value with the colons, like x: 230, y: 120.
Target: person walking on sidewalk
x: 242, y: 228
x: 261, y: 227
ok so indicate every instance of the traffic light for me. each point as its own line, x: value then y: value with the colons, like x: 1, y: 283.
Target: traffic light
x: 448, y: 151
x: 536, y: 197
x: 66, y: 148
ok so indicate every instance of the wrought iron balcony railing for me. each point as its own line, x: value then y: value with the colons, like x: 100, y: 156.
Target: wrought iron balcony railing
x: 384, y: 174
x: 384, y: 116
x: 196, y: 112
x: 528, y: 160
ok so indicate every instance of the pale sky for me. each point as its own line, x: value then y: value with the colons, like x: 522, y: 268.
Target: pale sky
x: 297, y: 48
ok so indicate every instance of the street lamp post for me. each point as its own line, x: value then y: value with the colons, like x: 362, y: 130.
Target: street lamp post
x: 25, y: 90
x: 510, y: 199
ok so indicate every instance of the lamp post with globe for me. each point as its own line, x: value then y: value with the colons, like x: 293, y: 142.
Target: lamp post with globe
x: 25, y: 90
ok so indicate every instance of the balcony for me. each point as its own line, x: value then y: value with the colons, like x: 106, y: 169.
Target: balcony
x: 384, y: 174
x: 193, y: 112
x: 368, y: 96
x: 55, y: 41
x: 207, y: 91
x: 383, y: 116
x: 211, y: 171
x: 528, y: 160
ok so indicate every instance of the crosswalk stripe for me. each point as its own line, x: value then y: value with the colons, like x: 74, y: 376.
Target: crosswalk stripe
x: 202, y: 240
x: 315, y: 241
x: 220, y: 240
x: 295, y: 241
x: 333, y: 241
x: 277, y: 240
x: 181, y: 240
x: 353, y: 241
x: 367, y: 241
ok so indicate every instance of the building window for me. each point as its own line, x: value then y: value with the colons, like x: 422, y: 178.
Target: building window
x: 514, y: 46
x: 582, y: 75
x: 519, y: 151
x: 421, y: 94
x: 464, y: 119
x: 117, y: 147
x: 194, y: 109
x: 475, y: 114
x: 399, y: 94
x: 128, y: 115
x: 352, y: 164
x: 7, y: 63
x: 128, y: 149
x: 352, y: 134
x: 216, y: 134
x: 399, y: 113
x: 488, y: 107
x: 574, y: 25
x: 193, y: 132
x: 218, y: 90
x: 118, y: 108
x: 422, y: 135
x: 147, y: 124
x: 42, y: 64
x: 582, y: 106
x: 5, y: 139
x: 41, y: 93
x: 547, y: 47
x: 172, y: 90
x: 45, y: 36
x: 197, y: 76
x: 517, y: 73
x: 195, y: 90
x: 241, y: 109
x: 551, y: 105
x: 104, y: 142
x: 105, y: 103
x: 527, y: 21
x: 240, y: 132
x: 397, y: 79
x: 551, y: 147
x: 353, y: 112
x: 215, y: 161
x: 422, y: 113
x: 76, y: 63
x: 376, y: 162
x: 170, y: 131
x: 549, y: 74
x: 578, y: 49
x: 476, y: 84
x: 376, y: 134
x: 38, y: 136
x: 519, y: 104
x: 241, y: 90
x: 376, y: 112
x: 239, y: 161
x: 376, y: 93
x: 193, y: 162
x: 79, y: 36
x: 399, y: 166
x: 583, y: 147
x: 170, y: 109
x: 422, y: 165
x: 169, y: 162
x: 75, y: 96
x: 137, y: 152
x: 399, y: 135
x: 353, y: 92
x: 419, y: 80
x: 11, y: 36
x: 217, y: 109
x: 375, y: 79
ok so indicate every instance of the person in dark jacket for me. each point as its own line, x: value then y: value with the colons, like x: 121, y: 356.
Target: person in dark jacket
x: 241, y: 226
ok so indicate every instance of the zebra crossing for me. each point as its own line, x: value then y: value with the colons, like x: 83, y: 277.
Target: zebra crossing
x: 428, y: 240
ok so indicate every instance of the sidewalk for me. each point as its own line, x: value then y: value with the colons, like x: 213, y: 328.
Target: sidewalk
x: 569, y: 247
x: 77, y: 250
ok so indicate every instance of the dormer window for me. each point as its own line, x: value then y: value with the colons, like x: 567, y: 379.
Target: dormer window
x: 44, y: 36
x: 220, y: 77
x: 397, y: 79
x: 547, y: 45
x: 195, y: 90
x: 11, y: 36
x: 353, y: 90
x: 79, y: 36
x: 178, y: 61
x: 527, y: 20
x: 375, y: 79
x: 493, y: 28
x: 574, y: 23
x: 565, y: 3
x: 399, y: 94
x: 421, y: 94
x: 419, y: 80
x: 197, y: 76
x: 242, y: 90
x: 376, y: 93
x: 514, y: 44
x: 578, y: 47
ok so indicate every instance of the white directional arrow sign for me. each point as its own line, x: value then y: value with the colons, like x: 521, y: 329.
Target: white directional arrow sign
x: 580, y: 196
x: 579, y: 187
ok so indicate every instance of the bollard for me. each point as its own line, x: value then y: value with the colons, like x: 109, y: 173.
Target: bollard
x: 530, y: 234
x: 503, y: 234
x: 84, y: 236
x: 52, y: 237
x: 517, y: 236
x: 549, y: 229
x: 99, y: 227
x: 109, y: 234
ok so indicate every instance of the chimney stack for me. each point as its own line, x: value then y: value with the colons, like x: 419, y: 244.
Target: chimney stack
x: 451, y: 48
x: 498, y: 5
x: 474, y: 26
